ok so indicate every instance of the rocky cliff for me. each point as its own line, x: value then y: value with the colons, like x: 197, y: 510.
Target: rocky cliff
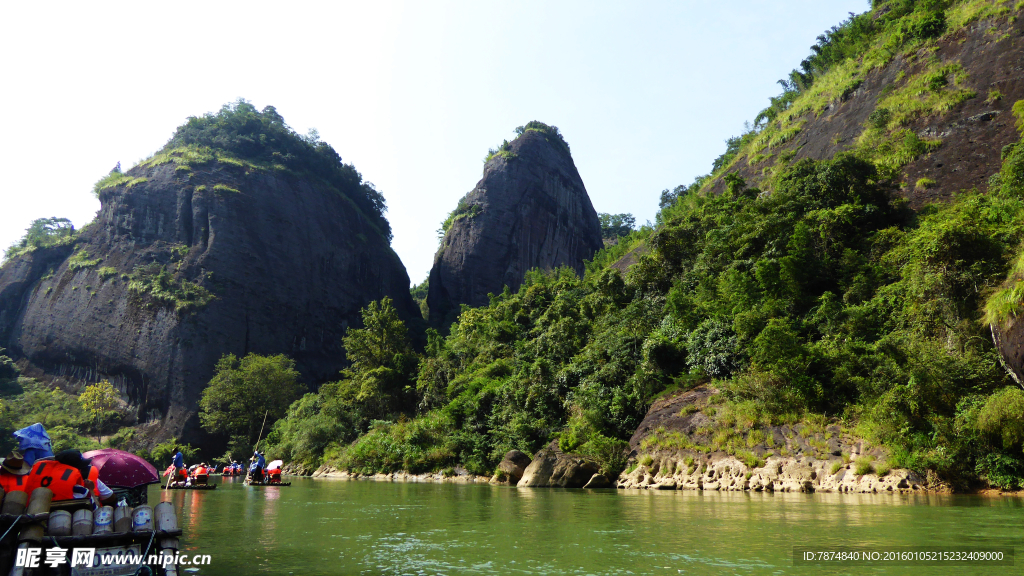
x: 195, y: 254
x: 530, y: 210
x: 938, y: 115
x: 682, y: 444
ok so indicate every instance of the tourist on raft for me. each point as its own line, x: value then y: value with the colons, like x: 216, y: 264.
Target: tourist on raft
x: 68, y: 475
x: 256, y: 468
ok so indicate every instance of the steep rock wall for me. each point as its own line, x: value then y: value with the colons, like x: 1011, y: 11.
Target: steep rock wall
x: 530, y: 210
x: 973, y: 133
x: 289, y: 261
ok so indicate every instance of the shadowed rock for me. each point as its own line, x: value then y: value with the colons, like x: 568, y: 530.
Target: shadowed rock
x: 552, y: 467
x: 288, y: 261
x: 511, y: 468
x: 530, y: 210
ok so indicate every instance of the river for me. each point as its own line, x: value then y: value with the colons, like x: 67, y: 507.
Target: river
x: 376, y: 528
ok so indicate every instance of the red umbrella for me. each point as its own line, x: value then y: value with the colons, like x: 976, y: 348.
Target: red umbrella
x: 122, y: 469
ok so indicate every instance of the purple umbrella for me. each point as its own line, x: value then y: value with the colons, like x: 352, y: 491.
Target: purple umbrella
x: 122, y: 469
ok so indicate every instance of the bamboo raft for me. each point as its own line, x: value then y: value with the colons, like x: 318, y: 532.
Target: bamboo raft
x: 36, y: 523
x: 262, y: 484
x: 193, y: 487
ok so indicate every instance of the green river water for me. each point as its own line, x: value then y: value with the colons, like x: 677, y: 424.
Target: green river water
x: 364, y: 527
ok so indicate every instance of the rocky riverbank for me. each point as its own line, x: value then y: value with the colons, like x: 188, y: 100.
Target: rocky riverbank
x: 691, y: 441
x: 455, y: 476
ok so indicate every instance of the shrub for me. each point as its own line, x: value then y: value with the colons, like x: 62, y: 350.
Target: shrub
x: 713, y: 349
x: 925, y: 183
x: 1001, y: 470
x: 107, y: 272
x: 863, y: 466
x: 262, y: 136
x: 882, y: 469
x: 463, y: 210
x: 1001, y: 417
x: 43, y: 233
x: 165, y: 288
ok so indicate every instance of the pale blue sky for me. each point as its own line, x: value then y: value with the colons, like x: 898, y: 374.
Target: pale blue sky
x: 412, y: 93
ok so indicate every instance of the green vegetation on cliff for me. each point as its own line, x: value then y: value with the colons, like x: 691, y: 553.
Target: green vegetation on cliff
x: 824, y: 301
x: 263, y: 137
x: 43, y: 233
x: 827, y: 298
x: 840, y: 63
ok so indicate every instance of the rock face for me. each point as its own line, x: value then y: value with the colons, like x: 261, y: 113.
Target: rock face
x: 797, y: 458
x: 973, y: 133
x: 1009, y: 340
x: 552, y: 467
x: 530, y: 210
x: 511, y: 468
x: 289, y: 263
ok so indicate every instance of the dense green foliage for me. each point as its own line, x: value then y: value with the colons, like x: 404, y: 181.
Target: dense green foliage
x: 244, y: 393
x: 70, y: 419
x: 378, y: 386
x: 262, y: 136
x: 827, y: 297
x: 614, y: 226
x: 419, y: 296
x: 43, y: 233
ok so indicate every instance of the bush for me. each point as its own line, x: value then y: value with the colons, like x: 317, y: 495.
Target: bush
x: 615, y: 226
x: 1003, y: 417
x: 167, y: 289
x: 863, y: 466
x: 714, y: 349
x: 247, y: 133
x: 1002, y: 471
x: 43, y: 233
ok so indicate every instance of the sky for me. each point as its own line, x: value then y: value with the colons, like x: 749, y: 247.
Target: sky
x: 413, y: 94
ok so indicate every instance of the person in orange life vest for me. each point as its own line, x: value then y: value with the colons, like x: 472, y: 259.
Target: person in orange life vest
x: 14, y: 473
x: 202, y: 474
x: 91, y: 474
x: 60, y: 478
x: 274, y: 475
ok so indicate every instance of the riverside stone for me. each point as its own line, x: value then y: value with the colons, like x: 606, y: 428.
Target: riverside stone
x: 552, y: 467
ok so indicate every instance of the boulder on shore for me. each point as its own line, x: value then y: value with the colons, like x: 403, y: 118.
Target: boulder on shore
x: 552, y: 467
x: 511, y: 468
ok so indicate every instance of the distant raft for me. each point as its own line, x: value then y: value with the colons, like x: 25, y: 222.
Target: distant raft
x: 192, y: 487
x: 261, y: 484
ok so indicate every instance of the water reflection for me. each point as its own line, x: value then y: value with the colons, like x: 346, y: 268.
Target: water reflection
x: 338, y: 527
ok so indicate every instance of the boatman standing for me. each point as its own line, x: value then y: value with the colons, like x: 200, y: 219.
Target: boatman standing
x: 256, y: 468
x: 179, y: 465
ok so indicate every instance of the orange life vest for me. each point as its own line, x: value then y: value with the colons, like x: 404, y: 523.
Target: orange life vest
x: 13, y: 482
x: 201, y: 471
x: 59, y: 478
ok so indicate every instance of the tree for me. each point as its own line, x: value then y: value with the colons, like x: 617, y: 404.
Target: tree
x: 383, y: 365
x: 41, y: 233
x: 242, y: 391
x: 382, y: 337
x: 101, y: 402
x: 8, y: 370
x: 616, y: 225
